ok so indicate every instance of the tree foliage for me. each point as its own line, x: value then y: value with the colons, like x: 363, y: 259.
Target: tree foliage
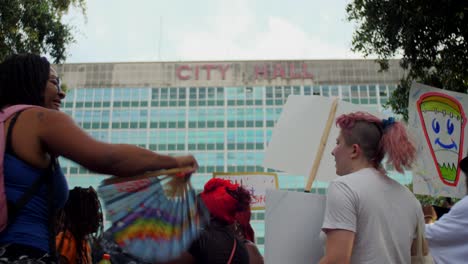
x: 35, y: 26
x: 429, y: 200
x: 430, y: 35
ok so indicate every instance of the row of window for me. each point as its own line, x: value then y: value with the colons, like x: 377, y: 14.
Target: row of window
x: 201, y: 169
x: 175, y: 114
x: 180, y: 124
x: 182, y: 136
x: 222, y: 93
x: 195, y: 103
x: 248, y: 145
x: 203, y: 146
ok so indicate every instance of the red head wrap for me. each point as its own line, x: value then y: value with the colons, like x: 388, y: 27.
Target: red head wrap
x: 218, y: 201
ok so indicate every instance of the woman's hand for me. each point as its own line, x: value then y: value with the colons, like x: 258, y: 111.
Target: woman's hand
x: 187, y: 161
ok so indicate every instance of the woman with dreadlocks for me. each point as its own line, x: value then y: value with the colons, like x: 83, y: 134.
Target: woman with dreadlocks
x: 80, y: 224
x: 35, y: 134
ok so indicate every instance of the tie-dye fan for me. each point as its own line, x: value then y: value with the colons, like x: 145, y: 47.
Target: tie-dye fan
x: 155, y: 216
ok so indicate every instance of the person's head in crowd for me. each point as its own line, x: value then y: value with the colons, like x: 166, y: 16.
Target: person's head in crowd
x: 81, y: 216
x: 447, y: 203
x: 464, y: 168
x: 364, y: 141
x: 29, y: 79
x: 224, y: 199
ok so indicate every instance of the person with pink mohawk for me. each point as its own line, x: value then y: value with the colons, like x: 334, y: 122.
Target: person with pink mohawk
x: 369, y: 217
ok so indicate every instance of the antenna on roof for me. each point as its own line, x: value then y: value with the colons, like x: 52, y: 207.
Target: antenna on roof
x: 160, y: 37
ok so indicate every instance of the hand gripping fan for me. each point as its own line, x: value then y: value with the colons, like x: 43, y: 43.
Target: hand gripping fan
x: 155, y: 216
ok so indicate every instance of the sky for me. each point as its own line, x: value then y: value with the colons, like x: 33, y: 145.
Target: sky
x: 184, y: 30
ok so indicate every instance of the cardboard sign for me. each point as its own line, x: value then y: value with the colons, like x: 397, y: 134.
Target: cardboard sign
x: 256, y: 182
x: 437, y: 123
x: 298, y: 132
x: 293, y: 223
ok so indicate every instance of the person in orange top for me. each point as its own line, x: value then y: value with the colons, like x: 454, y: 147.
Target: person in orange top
x: 80, y: 224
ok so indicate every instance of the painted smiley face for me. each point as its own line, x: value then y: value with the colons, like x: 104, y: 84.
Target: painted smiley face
x: 448, y: 129
x: 443, y: 132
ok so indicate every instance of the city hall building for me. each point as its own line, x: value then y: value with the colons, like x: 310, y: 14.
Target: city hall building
x: 222, y: 112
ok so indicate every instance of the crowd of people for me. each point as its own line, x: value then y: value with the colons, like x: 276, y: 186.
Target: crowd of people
x: 369, y: 217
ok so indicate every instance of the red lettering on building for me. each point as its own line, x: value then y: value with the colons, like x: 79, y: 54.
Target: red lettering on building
x: 260, y: 70
x: 179, y: 71
x: 208, y: 68
x: 292, y: 72
x: 185, y: 72
x: 279, y: 71
x: 305, y: 73
x: 197, y: 70
x: 223, y: 70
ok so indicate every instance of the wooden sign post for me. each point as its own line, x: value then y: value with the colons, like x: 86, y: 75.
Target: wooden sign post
x: 323, y: 143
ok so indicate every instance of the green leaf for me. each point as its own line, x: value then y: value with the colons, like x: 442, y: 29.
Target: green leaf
x: 35, y: 26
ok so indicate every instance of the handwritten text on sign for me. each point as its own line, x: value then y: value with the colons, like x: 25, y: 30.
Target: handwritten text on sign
x: 255, y: 182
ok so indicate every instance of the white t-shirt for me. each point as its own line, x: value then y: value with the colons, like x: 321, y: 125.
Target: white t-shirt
x: 448, y: 237
x: 382, y: 213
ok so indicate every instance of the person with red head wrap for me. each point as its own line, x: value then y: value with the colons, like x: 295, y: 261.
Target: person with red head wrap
x: 218, y: 243
x: 229, y: 204
x: 224, y: 240
x: 219, y: 197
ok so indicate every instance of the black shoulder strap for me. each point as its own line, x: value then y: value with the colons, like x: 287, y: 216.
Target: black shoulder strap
x: 8, y: 145
x: 46, y: 177
x: 15, y: 207
x: 50, y: 202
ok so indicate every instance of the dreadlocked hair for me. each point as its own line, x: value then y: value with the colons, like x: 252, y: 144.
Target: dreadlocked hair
x: 242, y: 196
x: 82, y: 218
x: 23, y: 79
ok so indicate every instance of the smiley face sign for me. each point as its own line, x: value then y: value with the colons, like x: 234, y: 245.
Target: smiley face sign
x: 443, y: 122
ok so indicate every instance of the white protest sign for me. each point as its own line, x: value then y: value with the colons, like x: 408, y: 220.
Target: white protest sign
x: 293, y: 222
x: 256, y: 182
x: 296, y: 136
x: 437, y: 122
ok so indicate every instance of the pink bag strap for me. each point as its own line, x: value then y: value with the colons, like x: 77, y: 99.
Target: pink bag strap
x: 4, y: 115
x: 7, y: 112
x: 232, y: 252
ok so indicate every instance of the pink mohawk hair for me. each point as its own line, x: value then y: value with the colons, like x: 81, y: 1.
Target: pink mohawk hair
x: 393, y: 142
